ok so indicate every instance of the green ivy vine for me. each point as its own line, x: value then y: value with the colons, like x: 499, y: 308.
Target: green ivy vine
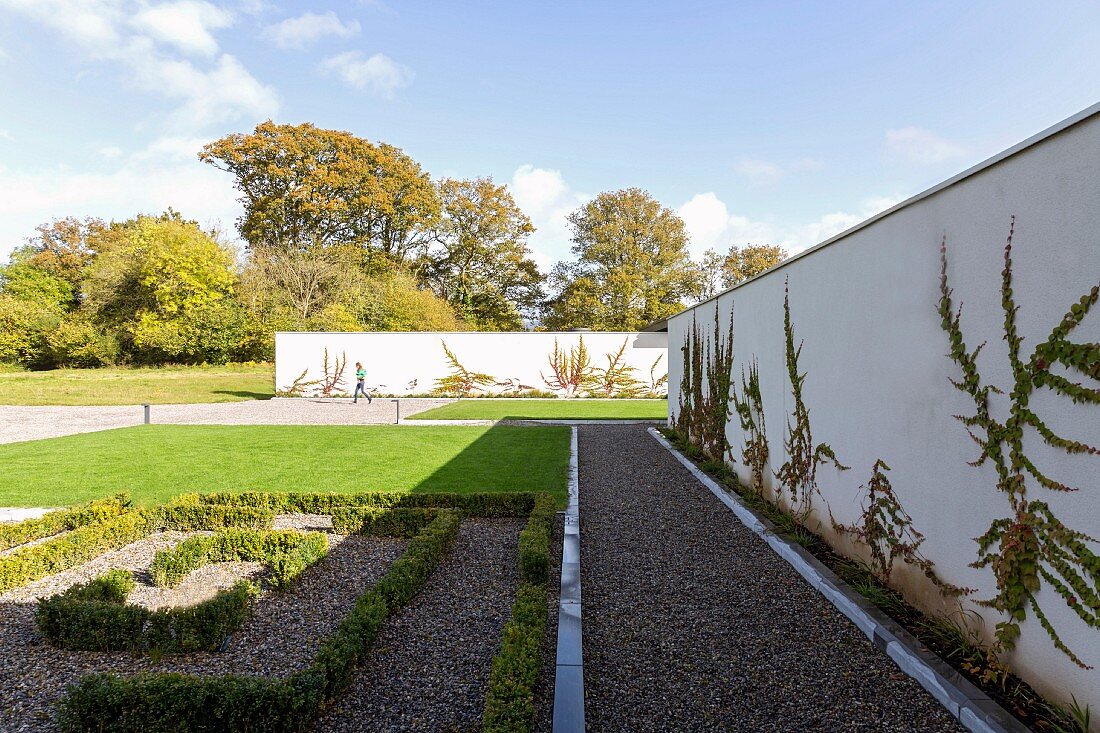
x: 1032, y: 546
x: 750, y: 413
x: 888, y: 531
x: 705, y: 389
x: 798, y: 474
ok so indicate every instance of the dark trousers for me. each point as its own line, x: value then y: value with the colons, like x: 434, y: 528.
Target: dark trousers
x: 360, y: 389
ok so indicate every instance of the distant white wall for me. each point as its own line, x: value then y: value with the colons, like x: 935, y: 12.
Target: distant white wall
x: 410, y: 363
x: 877, y: 368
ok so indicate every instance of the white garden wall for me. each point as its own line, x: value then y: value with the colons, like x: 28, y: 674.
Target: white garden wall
x: 410, y: 363
x: 864, y: 304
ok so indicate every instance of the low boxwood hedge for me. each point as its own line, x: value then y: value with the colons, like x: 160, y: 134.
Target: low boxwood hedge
x: 174, y: 703
x: 55, y: 522
x: 368, y: 520
x: 88, y: 541
x: 286, y: 553
x: 510, y: 699
x: 484, y: 504
x: 94, y: 616
x: 72, y: 548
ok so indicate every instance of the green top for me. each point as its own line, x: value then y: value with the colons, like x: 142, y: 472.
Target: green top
x: 360, y: 373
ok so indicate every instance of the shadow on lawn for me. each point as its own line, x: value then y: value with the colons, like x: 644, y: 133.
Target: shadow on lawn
x: 537, y: 457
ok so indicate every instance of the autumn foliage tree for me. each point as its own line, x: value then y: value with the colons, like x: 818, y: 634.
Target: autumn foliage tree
x: 632, y: 265
x: 303, y: 187
x: 480, y: 262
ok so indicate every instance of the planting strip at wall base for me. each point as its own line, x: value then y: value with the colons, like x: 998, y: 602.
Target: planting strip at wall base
x: 569, y: 670
x: 972, y: 707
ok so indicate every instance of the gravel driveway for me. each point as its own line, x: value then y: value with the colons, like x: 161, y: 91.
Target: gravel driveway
x: 18, y: 423
x: 692, y: 623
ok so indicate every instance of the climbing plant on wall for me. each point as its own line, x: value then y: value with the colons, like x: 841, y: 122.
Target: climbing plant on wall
x: 749, y: 407
x: 1032, y: 546
x: 798, y: 474
x: 705, y: 389
x: 888, y: 532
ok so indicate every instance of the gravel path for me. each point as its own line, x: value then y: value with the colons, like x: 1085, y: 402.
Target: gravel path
x: 430, y: 665
x: 281, y: 636
x: 18, y: 423
x: 692, y: 623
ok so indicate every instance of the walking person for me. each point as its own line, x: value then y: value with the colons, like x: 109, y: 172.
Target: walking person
x: 360, y: 381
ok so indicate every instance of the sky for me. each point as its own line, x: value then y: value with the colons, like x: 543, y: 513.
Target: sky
x: 758, y: 122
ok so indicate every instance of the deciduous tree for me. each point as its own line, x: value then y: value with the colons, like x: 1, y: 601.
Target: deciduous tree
x: 305, y: 187
x: 166, y: 290
x: 632, y: 265
x: 481, y: 264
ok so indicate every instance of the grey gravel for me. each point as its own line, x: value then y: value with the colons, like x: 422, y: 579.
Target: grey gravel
x: 692, y: 623
x: 281, y: 636
x: 430, y: 665
x: 18, y: 422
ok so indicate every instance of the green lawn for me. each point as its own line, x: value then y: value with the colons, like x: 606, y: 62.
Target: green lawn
x: 135, y: 386
x: 558, y: 409
x: 156, y: 462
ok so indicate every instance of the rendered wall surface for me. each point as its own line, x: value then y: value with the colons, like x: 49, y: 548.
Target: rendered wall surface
x: 877, y: 371
x: 410, y: 363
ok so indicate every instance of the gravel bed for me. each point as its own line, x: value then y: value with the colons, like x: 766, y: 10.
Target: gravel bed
x: 281, y: 636
x: 692, y: 623
x: 430, y: 665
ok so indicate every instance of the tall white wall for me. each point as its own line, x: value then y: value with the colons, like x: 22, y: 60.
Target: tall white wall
x: 864, y: 304
x: 410, y: 363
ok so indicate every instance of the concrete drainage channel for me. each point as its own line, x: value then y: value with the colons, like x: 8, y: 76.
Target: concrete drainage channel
x: 972, y: 707
x: 569, y: 671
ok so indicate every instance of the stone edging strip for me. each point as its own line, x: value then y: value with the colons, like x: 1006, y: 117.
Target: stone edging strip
x: 972, y: 707
x: 569, y: 671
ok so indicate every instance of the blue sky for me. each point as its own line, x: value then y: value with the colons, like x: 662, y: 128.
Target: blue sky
x: 757, y: 121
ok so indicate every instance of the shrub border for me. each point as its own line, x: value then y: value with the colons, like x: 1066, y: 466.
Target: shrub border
x: 510, y: 697
x: 76, y: 621
x: 92, y: 540
x: 61, y: 520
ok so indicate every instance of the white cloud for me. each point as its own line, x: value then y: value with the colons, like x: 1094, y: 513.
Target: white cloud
x: 544, y: 196
x: 144, y: 39
x: 5, y: 134
x: 917, y: 145
x: 711, y: 225
x: 110, y: 152
x: 187, y: 25
x: 380, y: 73
x: 145, y: 182
x: 309, y: 27
x: 223, y: 92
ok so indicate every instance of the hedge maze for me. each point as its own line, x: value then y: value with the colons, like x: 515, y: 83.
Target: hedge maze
x: 95, y: 616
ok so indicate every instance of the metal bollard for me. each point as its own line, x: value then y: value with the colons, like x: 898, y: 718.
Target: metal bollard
x: 146, y: 406
x: 398, y: 403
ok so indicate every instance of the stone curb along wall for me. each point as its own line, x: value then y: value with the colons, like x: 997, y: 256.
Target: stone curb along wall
x: 410, y: 363
x: 878, y: 370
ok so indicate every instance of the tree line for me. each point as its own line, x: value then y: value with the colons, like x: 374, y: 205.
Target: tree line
x: 341, y: 234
